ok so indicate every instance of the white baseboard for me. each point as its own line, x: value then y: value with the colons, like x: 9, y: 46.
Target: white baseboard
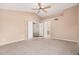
x: 10, y: 42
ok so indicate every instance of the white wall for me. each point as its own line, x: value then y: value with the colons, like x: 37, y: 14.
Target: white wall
x: 66, y: 27
x: 78, y: 25
x: 13, y: 25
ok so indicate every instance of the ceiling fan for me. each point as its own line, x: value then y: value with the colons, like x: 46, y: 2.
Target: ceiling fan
x: 41, y: 8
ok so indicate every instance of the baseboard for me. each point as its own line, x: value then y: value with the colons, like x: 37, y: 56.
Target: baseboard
x: 66, y: 40
x: 10, y: 42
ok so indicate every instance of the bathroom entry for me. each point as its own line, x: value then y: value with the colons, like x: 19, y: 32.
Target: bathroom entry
x: 38, y: 29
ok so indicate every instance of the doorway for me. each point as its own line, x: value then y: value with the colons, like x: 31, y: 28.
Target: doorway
x: 39, y: 29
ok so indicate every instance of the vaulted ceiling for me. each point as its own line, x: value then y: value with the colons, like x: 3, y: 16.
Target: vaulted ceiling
x: 27, y: 7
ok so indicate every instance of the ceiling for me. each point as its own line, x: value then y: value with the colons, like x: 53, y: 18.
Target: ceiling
x: 27, y: 7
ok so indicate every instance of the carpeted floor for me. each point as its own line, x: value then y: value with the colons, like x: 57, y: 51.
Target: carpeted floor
x: 40, y: 47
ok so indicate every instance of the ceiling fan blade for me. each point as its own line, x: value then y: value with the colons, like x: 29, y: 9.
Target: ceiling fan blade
x: 39, y: 4
x: 44, y: 10
x: 46, y: 7
x: 35, y: 9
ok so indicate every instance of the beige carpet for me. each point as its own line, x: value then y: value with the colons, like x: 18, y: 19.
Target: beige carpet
x: 40, y: 47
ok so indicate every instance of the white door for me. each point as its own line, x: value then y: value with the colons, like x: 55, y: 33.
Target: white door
x: 30, y: 30
x: 41, y: 29
x: 47, y: 29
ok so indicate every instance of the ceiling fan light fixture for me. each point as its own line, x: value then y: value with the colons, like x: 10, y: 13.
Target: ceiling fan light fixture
x: 41, y: 8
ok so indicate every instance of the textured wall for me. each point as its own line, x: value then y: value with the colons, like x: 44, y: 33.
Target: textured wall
x: 78, y: 24
x: 13, y: 25
x: 66, y: 27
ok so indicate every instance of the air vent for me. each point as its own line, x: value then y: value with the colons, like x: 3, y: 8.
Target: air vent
x: 56, y: 19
